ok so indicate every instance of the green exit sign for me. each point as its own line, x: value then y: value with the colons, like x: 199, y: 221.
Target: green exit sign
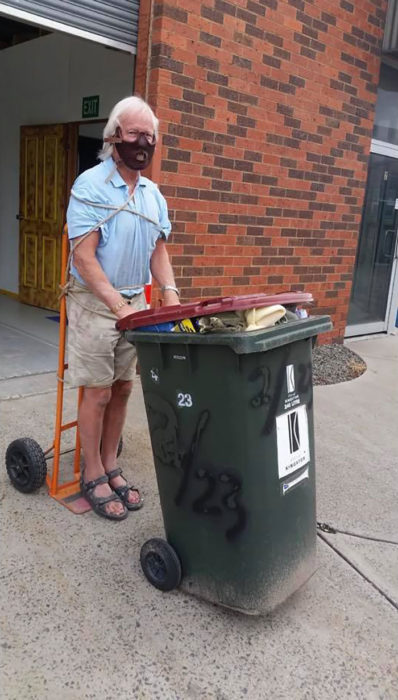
x: 90, y: 107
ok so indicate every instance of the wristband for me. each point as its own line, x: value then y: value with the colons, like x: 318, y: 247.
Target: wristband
x: 118, y: 306
x: 171, y: 288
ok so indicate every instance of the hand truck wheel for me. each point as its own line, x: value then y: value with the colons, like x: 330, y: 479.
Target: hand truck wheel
x: 26, y: 465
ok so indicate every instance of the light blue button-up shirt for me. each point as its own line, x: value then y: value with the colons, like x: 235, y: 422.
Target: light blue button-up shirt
x: 126, y: 241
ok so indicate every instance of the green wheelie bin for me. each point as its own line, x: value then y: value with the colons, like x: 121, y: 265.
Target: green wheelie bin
x: 230, y: 416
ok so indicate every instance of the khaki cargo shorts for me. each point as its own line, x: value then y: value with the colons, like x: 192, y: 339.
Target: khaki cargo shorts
x: 98, y: 355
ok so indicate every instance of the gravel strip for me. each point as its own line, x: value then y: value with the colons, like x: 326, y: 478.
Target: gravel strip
x: 332, y: 364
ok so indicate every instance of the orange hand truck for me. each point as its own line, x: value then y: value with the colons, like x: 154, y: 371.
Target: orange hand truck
x: 26, y: 462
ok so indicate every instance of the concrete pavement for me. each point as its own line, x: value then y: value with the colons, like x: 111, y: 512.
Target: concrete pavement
x: 357, y: 429
x: 80, y: 621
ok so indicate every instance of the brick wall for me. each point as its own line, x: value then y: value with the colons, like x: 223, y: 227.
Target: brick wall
x: 266, y: 112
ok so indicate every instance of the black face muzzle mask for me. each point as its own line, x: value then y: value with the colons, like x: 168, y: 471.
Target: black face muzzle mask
x: 136, y: 155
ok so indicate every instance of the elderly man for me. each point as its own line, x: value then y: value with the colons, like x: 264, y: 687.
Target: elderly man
x: 118, y: 226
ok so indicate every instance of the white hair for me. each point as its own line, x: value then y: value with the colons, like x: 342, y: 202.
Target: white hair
x: 128, y: 104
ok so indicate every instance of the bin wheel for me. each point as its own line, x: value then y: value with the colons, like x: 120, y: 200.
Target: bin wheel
x: 26, y: 465
x: 120, y: 447
x: 160, y: 564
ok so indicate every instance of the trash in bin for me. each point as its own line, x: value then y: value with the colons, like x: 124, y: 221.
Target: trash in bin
x: 249, y: 320
x: 231, y: 423
x: 221, y: 313
x: 165, y: 327
x: 186, y: 326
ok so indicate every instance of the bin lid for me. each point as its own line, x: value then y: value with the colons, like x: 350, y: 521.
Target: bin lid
x: 240, y: 342
x: 209, y: 307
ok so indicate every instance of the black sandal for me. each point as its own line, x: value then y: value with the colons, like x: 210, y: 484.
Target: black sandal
x: 122, y: 491
x: 98, y: 503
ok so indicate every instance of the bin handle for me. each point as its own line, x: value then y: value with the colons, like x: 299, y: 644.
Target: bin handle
x: 214, y: 300
x: 209, y: 303
x: 226, y: 301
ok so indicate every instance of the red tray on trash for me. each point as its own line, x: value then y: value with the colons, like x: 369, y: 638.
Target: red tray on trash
x: 209, y: 307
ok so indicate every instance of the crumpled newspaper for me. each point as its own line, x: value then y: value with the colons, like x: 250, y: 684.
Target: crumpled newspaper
x: 249, y: 320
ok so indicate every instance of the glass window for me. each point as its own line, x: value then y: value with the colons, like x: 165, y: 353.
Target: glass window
x: 386, y: 119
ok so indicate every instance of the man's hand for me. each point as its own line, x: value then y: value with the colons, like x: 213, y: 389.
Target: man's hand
x: 170, y: 298
x: 124, y: 311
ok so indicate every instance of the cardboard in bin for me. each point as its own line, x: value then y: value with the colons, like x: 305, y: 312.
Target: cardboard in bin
x: 210, y: 307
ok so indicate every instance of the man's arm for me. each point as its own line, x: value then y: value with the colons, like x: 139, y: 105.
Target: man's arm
x: 93, y: 275
x: 163, y: 272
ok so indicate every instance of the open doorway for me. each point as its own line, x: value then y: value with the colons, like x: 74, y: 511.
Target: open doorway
x: 89, y: 143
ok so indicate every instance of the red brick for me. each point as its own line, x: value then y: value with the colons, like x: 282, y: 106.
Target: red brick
x: 287, y: 135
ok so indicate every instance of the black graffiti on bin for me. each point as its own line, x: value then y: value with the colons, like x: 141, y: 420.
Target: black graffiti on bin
x: 203, y: 503
x: 164, y: 430
x: 269, y: 393
x: 263, y: 397
x: 231, y: 501
x: 222, y: 489
x: 228, y: 498
x: 189, y: 456
x: 304, y: 383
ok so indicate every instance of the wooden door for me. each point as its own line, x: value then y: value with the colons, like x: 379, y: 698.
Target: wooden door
x: 42, y: 213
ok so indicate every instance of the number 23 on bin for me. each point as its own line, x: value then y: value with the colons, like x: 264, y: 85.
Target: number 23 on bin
x: 184, y: 400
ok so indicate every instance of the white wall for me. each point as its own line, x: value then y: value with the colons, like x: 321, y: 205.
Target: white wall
x: 43, y: 82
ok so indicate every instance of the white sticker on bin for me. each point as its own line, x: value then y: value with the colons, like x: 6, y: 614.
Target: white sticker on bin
x: 289, y: 485
x: 292, y: 441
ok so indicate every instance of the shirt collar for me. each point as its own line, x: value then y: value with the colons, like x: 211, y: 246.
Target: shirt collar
x: 113, y: 175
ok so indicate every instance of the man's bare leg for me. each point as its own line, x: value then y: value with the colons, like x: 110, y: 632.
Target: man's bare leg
x: 114, y: 418
x: 91, y: 418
